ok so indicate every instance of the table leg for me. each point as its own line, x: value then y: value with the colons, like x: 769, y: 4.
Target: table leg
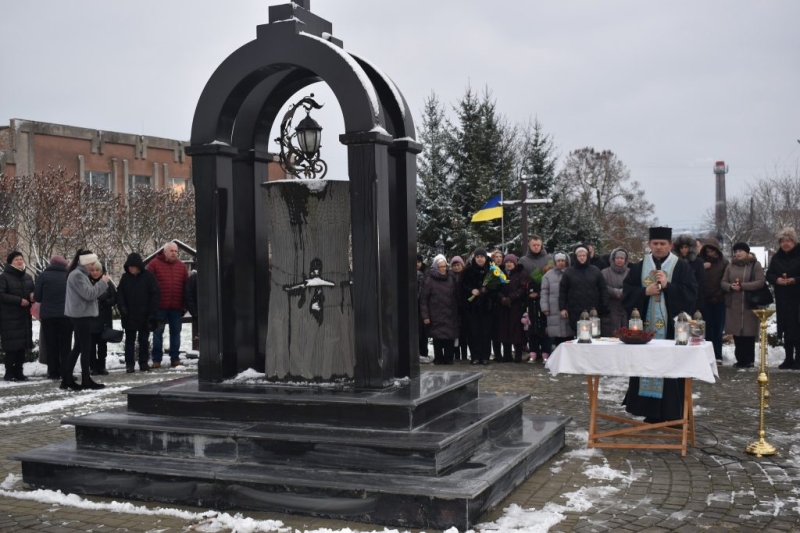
x: 592, y: 384
x: 688, y: 416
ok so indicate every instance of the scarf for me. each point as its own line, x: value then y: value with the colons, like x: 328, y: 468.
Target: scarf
x: 657, y: 316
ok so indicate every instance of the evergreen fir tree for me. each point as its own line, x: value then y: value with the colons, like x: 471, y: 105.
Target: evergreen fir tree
x: 435, y: 207
x: 482, y: 151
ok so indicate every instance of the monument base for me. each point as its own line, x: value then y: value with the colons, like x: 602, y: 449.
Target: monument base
x: 446, y: 469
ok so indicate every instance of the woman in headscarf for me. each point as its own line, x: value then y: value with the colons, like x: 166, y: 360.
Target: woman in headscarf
x: 461, y: 352
x: 512, y: 295
x: 438, y: 305
x: 558, y: 328
x: 614, y: 275
x: 16, y: 296
x: 784, y: 276
x: 744, y: 273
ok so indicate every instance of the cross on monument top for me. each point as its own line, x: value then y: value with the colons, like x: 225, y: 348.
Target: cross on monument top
x: 305, y: 4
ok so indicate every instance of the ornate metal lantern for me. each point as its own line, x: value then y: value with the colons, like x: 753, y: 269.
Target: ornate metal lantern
x: 302, y: 161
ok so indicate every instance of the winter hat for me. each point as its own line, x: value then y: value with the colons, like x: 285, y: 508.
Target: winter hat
x: 787, y: 233
x: 560, y: 255
x: 480, y: 251
x: 579, y: 248
x: 439, y: 257
x: 456, y: 259
x: 87, y: 259
x: 13, y: 255
x: 510, y: 257
x: 660, y: 233
x: 59, y: 260
x: 741, y: 246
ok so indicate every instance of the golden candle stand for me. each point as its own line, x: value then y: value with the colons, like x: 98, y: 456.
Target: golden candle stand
x: 761, y: 447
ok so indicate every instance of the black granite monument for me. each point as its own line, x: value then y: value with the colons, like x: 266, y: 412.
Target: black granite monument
x: 344, y: 424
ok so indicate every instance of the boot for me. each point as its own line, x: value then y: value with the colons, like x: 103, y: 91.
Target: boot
x: 70, y: 384
x: 9, y: 372
x: 789, y: 361
x: 88, y: 384
x: 18, y: 375
x: 101, y: 367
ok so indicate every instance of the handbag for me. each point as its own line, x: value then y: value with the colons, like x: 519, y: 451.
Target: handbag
x: 111, y: 335
x: 760, y: 297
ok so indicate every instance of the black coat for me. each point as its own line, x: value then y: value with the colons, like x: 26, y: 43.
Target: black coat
x: 473, y: 277
x: 438, y: 303
x: 582, y: 288
x: 105, y: 308
x: 787, y: 297
x: 50, y: 291
x: 137, y: 299
x: 512, y: 299
x: 15, y: 320
x: 680, y: 294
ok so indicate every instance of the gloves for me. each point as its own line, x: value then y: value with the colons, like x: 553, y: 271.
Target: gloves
x: 505, y: 301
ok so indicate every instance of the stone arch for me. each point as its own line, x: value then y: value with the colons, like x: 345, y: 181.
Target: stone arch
x: 229, y: 139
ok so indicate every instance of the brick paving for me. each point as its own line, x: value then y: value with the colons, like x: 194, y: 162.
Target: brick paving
x: 716, y: 487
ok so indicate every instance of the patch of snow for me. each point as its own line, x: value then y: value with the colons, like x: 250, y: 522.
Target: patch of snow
x: 398, y: 97
x: 319, y: 282
x: 10, y: 482
x: 356, y: 68
x: 249, y: 375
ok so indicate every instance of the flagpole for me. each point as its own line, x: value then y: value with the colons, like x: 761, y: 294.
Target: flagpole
x: 502, y: 224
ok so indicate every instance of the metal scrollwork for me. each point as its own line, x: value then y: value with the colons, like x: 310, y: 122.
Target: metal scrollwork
x: 294, y: 160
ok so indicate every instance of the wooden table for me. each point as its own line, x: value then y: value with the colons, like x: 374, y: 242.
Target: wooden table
x: 658, y: 358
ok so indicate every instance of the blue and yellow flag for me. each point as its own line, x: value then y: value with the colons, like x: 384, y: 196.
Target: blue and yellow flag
x: 490, y: 210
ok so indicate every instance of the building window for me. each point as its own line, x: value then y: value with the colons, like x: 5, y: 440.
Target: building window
x: 97, y: 179
x: 177, y: 184
x: 137, y: 180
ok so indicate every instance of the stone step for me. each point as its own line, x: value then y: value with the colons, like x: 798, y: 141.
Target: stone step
x: 407, y: 405
x: 456, y: 498
x: 430, y: 449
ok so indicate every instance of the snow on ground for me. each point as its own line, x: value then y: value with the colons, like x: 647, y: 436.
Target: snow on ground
x: 29, y: 404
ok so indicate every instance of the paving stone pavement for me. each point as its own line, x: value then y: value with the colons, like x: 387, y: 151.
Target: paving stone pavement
x: 716, y: 487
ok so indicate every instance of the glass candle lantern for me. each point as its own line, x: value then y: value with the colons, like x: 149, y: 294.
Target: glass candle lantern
x: 635, y: 323
x: 595, y: 320
x: 584, y: 328
x: 682, y: 329
x: 697, y: 330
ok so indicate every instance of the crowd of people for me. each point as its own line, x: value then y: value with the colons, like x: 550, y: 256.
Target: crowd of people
x: 74, y: 302
x: 543, y: 296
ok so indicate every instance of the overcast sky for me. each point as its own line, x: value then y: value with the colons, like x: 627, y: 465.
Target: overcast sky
x: 670, y: 87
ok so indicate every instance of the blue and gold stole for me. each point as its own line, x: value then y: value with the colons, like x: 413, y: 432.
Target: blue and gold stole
x: 656, y: 317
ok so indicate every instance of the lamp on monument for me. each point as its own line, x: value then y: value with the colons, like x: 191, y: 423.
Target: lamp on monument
x: 302, y: 161
x: 440, y: 246
x: 309, y: 136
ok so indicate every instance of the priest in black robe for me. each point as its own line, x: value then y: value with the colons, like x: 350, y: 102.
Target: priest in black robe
x: 660, y: 286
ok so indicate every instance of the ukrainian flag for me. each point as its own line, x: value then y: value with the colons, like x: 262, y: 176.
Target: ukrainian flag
x: 490, y: 210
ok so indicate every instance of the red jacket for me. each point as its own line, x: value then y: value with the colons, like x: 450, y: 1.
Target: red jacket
x: 171, y: 278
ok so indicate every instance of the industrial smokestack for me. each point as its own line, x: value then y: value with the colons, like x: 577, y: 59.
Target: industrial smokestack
x: 721, y: 212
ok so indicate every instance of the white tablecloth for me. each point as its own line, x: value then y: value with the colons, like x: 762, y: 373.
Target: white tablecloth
x: 658, y: 358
